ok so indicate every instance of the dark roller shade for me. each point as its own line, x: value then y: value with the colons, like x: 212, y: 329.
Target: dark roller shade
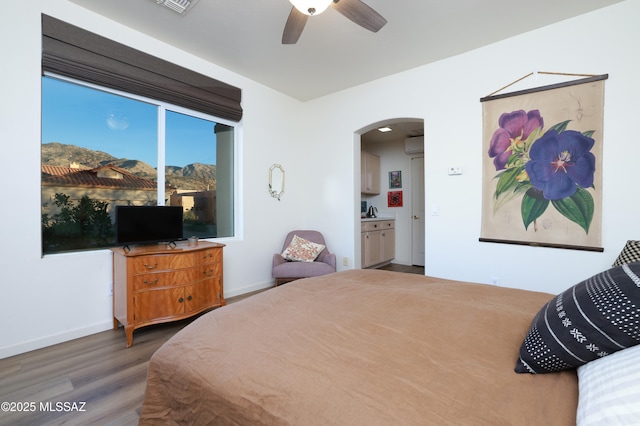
x: 73, y: 52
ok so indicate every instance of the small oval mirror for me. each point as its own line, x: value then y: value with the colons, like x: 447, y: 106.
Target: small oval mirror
x: 276, y: 181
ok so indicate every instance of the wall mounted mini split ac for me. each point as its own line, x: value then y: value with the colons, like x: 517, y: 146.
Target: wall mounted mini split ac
x: 178, y: 6
x: 414, y: 145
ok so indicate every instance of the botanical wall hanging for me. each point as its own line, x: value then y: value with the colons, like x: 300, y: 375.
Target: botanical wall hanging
x: 542, y: 165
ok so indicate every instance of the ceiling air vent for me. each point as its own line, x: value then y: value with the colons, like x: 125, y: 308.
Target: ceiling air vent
x: 178, y: 6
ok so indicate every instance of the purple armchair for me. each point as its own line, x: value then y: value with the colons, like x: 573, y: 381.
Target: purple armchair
x: 284, y: 270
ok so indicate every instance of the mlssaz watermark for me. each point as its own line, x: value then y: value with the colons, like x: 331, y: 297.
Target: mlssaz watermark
x: 46, y: 406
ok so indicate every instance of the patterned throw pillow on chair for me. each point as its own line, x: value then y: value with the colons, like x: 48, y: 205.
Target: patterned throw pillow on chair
x: 301, y: 250
x: 630, y: 253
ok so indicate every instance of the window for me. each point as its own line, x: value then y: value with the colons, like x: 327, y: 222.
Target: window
x: 102, y: 148
x: 156, y: 113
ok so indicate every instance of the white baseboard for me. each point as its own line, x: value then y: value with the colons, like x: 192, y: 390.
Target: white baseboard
x: 43, y: 342
x: 248, y: 289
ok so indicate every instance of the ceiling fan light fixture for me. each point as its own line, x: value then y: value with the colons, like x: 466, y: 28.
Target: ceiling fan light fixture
x: 311, y: 7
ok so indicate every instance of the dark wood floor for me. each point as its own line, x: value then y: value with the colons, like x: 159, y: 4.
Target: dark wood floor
x: 96, y: 374
x: 404, y: 268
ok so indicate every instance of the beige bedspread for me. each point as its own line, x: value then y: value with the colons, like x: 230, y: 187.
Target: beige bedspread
x: 359, y: 347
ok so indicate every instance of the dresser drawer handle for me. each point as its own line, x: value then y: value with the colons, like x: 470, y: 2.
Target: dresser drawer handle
x: 189, y: 297
x: 154, y: 266
x: 151, y: 282
x: 181, y: 300
x: 207, y: 255
x: 208, y: 272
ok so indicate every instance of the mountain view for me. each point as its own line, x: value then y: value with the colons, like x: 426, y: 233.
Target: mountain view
x: 195, y: 176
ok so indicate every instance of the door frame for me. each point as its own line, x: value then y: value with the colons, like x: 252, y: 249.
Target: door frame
x: 357, y: 147
x: 418, y: 212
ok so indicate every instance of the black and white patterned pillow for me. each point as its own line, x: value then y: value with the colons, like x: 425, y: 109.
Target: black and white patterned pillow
x: 595, y: 318
x: 630, y: 253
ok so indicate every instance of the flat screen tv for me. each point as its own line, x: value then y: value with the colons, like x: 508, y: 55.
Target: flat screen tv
x: 148, y: 224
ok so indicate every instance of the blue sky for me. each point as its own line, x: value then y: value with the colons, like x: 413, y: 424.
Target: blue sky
x: 122, y: 127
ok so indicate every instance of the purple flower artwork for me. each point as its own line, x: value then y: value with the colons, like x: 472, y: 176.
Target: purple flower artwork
x: 515, y: 129
x: 545, y: 167
x: 560, y: 163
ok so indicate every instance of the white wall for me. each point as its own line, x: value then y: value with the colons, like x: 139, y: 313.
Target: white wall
x: 446, y: 95
x: 56, y: 298
x: 60, y: 297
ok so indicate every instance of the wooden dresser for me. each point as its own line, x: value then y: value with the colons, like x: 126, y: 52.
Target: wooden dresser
x: 159, y: 283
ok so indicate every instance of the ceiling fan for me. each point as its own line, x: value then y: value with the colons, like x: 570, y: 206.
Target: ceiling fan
x: 355, y: 10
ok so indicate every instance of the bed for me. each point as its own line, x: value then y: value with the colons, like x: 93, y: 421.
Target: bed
x: 359, y: 347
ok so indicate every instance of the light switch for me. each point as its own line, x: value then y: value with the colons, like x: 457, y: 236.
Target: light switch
x: 455, y: 170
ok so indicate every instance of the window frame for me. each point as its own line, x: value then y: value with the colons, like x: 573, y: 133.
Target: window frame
x: 162, y: 108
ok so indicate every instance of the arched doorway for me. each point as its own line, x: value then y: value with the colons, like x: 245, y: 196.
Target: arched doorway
x: 400, y: 149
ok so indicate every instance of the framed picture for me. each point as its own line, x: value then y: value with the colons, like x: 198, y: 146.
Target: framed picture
x: 394, y: 198
x: 395, y: 179
x: 542, y: 166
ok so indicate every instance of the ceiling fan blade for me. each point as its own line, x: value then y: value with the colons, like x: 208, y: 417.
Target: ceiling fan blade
x: 294, y: 26
x: 360, y: 13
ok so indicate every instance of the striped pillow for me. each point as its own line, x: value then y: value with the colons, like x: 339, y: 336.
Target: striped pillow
x: 609, y: 390
x: 595, y: 318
